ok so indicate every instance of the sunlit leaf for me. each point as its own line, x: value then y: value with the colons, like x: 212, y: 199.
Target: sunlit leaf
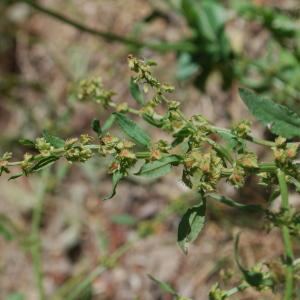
x: 191, y: 225
x: 54, y: 141
x: 116, y: 177
x: 136, y: 92
x: 279, y: 119
x: 158, y: 168
x: 133, y: 130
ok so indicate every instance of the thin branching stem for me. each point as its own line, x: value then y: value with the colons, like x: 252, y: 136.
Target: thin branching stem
x: 237, y: 289
x: 36, y: 248
x: 288, y: 248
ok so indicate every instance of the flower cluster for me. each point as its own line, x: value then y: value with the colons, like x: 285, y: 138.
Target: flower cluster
x: 93, y: 90
x: 4, y: 162
x: 124, y: 157
x: 75, y: 149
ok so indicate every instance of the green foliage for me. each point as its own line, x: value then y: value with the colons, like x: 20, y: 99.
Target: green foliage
x: 116, y: 178
x: 158, y: 168
x: 255, y: 277
x: 209, y: 49
x: 191, y: 225
x: 95, y: 125
x: 203, y: 159
x: 15, y: 296
x: 207, y: 19
x: 167, y: 288
x: 133, y: 130
x: 136, y: 92
x: 279, y: 119
x: 230, y: 202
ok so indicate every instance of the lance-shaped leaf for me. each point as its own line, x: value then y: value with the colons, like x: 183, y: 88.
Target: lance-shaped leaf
x: 5, y: 232
x: 164, y: 286
x: 191, y: 225
x: 253, y: 278
x: 42, y: 163
x: 158, y: 168
x: 108, y: 123
x: 95, y: 125
x: 54, y: 141
x: 280, y: 119
x: 16, y: 176
x: 27, y: 143
x: 136, y: 92
x: 230, y: 202
x: 116, y: 177
x: 133, y: 130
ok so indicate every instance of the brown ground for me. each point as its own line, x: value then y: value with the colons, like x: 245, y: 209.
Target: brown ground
x: 78, y: 230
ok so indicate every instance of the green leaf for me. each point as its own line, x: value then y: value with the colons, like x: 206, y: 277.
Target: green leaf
x: 27, y: 143
x: 158, y: 168
x: 116, y: 177
x: 233, y: 142
x: 54, y: 141
x: 123, y: 219
x: 186, y: 67
x: 230, y: 202
x: 280, y: 119
x: 295, y: 182
x: 16, y: 176
x: 163, y: 286
x: 5, y: 232
x: 153, y: 121
x: 253, y: 278
x: 133, y: 130
x: 136, y: 92
x: 95, y: 125
x: 191, y: 225
x: 42, y: 163
x: 108, y: 123
x: 15, y: 296
x: 207, y: 17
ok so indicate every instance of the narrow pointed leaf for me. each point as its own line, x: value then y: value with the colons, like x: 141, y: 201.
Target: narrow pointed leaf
x: 230, y: 202
x: 159, y: 167
x: 95, y: 125
x: 54, y: 141
x: 27, y: 143
x: 116, y: 177
x: 280, y: 119
x: 191, y: 225
x: 253, y: 278
x: 136, y: 92
x: 42, y: 163
x: 163, y: 286
x: 133, y: 130
x: 108, y: 123
x: 15, y: 176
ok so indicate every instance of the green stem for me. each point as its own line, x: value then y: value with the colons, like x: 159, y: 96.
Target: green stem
x: 36, y: 247
x: 237, y: 289
x: 248, y: 138
x: 260, y: 141
x: 288, y: 248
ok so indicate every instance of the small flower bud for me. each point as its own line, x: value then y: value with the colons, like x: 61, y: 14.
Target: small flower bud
x: 115, y: 166
x: 280, y: 141
x: 237, y: 178
x: 242, y: 129
x: 122, y: 107
x: 127, y: 154
x: 292, y: 150
x: 248, y: 160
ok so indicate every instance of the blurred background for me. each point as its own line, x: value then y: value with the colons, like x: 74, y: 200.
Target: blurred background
x: 89, y: 249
